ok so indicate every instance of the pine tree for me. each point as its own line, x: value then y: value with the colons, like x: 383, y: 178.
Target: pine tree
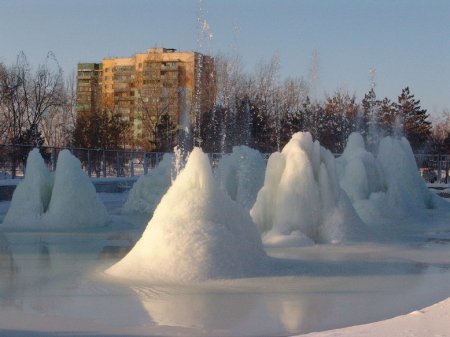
x: 416, y: 127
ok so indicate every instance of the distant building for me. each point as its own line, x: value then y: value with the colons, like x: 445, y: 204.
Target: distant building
x: 144, y: 87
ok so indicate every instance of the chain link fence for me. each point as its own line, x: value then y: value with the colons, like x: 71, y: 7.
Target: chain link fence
x: 128, y: 163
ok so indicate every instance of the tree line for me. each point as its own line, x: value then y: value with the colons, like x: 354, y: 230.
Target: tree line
x: 258, y: 109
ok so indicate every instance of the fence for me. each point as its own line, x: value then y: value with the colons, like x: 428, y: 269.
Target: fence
x: 95, y: 162
x: 129, y: 163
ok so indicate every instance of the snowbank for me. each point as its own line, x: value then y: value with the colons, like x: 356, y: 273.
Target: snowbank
x: 301, y: 197
x: 148, y: 190
x: 74, y: 201
x: 431, y: 321
x: 197, y: 233
x: 32, y: 196
x: 241, y: 174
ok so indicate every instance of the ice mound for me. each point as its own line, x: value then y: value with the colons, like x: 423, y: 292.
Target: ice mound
x: 74, y: 201
x: 301, y: 199
x: 360, y: 173
x: 197, y: 233
x: 406, y: 188
x: 241, y: 174
x: 32, y: 196
x: 385, y: 190
x: 148, y: 190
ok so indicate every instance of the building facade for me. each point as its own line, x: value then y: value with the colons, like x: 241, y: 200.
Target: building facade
x: 147, y: 86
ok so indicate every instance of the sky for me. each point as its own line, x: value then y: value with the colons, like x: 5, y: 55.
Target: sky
x: 406, y: 42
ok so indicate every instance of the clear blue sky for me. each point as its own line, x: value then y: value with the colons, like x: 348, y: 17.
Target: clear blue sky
x: 406, y: 41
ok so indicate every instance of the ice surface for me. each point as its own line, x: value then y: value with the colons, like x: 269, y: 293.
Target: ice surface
x: 74, y: 201
x: 148, y: 190
x: 241, y: 174
x: 32, y: 196
x: 197, y: 233
x: 301, y: 196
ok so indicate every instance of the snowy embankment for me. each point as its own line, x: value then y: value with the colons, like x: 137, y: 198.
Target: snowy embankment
x: 431, y: 321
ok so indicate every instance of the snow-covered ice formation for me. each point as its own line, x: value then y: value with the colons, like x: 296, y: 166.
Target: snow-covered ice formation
x: 301, y: 201
x: 74, y: 201
x: 148, y: 190
x: 66, y: 199
x: 197, y: 233
x: 32, y: 195
x: 360, y: 173
x: 241, y: 174
x: 387, y: 188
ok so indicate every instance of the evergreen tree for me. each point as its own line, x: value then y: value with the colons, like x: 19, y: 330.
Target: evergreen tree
x: 416, y: 127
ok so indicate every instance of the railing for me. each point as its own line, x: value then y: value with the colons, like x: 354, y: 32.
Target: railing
x: 95, y: 162
x: 128, y: 163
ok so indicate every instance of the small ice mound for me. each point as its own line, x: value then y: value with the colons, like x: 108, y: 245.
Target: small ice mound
x: 197, y: 233
x: 74, y: 201
x: 32, y: 196
x: 406, y: 188
x: 301, y: 193
x: 148, y: 190
x: 360, y: 174
x: 241, y: 174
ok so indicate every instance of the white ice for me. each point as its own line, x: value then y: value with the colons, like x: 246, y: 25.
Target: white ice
x: 32, y: 195
x: 148, y: 190
x: 64, y: 200
x: 74, y: 202
x: 301, y: 201
x: 241, y: 174
x: 386, y: 189
x: 196, y: 233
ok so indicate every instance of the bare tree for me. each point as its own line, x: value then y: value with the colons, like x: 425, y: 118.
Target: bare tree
x: 27, y: 97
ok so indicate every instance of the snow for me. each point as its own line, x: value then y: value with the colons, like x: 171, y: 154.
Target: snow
x: 32, y: 195
x: 197, y: 233
x: 241, y: 174
x: 74, y: 202
x: 430, y: 321
x: 301, y: 197
x: 148, y: 190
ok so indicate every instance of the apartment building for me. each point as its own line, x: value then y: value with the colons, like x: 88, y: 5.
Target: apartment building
x: 142, y: 88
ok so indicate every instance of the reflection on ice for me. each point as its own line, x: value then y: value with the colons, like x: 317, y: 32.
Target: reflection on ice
x: 60, y: 276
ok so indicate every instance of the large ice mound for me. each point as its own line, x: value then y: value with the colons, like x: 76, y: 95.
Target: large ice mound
x: 148, y: 190
x: 241, y: 174
x: 74, y: 201
x: 301, y: 199
x: 32, y: 196
x: 197, y: 233
x: 360, y: 173
x: 386, y: 189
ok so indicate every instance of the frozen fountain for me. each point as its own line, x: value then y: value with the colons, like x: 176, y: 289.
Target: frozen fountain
x: 385, y: 189
x: 64, y: 200
x: 32, y: 196
x: 196, y: 233
x: 301, y: 201
x: 148, y: 190
x: 241, y: 174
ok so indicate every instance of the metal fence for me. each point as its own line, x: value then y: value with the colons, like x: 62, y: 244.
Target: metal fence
x: 128, y: 163
x: 95, y: 162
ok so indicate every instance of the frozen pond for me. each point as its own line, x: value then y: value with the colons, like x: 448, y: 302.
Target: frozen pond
x: 54, y: 282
